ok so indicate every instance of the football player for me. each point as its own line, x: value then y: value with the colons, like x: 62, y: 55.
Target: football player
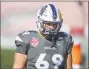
x: 47, y: 48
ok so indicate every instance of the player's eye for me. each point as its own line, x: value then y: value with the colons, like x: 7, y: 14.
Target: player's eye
x: 50, y: 24
x: 46, y: 24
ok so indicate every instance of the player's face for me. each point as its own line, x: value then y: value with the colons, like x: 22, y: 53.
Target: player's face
x: 49, y: 26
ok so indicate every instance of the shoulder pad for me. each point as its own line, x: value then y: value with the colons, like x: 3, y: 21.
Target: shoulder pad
x: 21, y: 36
x: 25, y: 36
x: 27, y: 32
x: 68, y: 37
x: 18, y: 39
x: 64, y: 34
x: 33, y: 31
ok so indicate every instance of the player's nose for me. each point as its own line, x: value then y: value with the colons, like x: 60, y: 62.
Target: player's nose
x: 51, y: 26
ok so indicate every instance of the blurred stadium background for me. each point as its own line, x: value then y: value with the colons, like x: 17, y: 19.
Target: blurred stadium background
x: 17, y: 17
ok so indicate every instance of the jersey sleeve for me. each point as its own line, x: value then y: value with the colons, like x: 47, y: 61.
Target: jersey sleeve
x: 70, y: 45
x: 21, y: 46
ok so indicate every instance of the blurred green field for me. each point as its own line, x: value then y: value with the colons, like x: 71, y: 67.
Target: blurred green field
x: 7, y: 57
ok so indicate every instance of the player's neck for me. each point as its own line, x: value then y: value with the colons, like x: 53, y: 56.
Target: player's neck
x: 42, y: 35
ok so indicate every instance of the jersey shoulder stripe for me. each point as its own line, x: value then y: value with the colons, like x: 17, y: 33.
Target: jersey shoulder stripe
x: 25, y: 36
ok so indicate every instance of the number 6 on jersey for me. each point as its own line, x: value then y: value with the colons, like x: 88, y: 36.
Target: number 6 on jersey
x: 40, y: 63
